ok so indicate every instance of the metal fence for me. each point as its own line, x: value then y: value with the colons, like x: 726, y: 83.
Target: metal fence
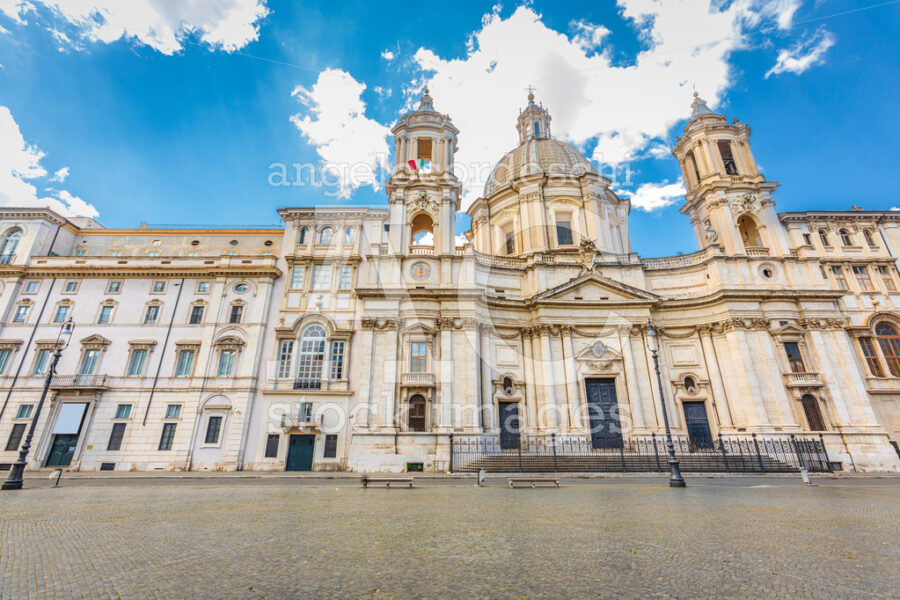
x: 551, y: 454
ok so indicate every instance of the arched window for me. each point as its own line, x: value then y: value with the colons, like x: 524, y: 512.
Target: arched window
x: 890, y: 346
x: 422, y: 230
x: 845, y: 237
x: 868, y: 235
x: 417, y: 413
x: 325, y: 235
x: 749, y: 231
x: 312, y: 358
x: 812, y: 412
x: 348, y: 235
x: 690, y: 386
x: 304, y: 232
x: 823, y: 235
x: 8, y: 247
x: 537, y: 130
x: 692, y: 165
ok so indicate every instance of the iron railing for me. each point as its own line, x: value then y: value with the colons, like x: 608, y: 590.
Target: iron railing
x: 79, y: 381
x: 726, y: 454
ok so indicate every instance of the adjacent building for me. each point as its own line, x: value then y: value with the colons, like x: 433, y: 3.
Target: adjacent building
x: 362, y: 339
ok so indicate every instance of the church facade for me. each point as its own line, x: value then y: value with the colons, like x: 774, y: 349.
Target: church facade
x: 363, y: 339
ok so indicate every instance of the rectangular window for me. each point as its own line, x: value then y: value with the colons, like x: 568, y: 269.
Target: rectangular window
x: 862, y: 276
x: 105, y: 314
x: 89, y: 362
x: 237, y: 311
x: 337, y: 359
x: 807, y: 240
x: 564, y: 233
x: 153, y: 253
x: 115, y: 253
x: 151, y: 315
x: 114, y: 287
x: 727, y: 157
x: 31, y: 287
x: 173, y: 411
x: 230, y: 253
x: 185, y: 362
x: 417, y: 357
x: 202, y: 287
x: 889, y: 283
x: 136, y: 364
x: 297, y: 273
x: 115, y: 437
x: 330, y: 445
x: 346, y: 277
x: 868, y: 350
x: 15, y: 437
x: 4, y: 360
x: 168, y: 435
x: 196, y: 317
x: 42, y: 362
x: 285, y: 352
x: 25, y: 411
x: 71, y: 287
x: 226, y: 363
x: 321, y: 277
x: 21, y: 313
x: 272, y: 445
x: 192, y: 253
x: 81, y: 252
x: 510, y: 242
x: 794, y: 359
x: 213, y: 428
x: 306, y: 412
x: 61, y: 313
x: 123, y: 411
x: 158, y: 287
x: 838, y: 273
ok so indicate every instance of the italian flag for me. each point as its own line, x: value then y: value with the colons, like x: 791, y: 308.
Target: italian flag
x: 416, y: 165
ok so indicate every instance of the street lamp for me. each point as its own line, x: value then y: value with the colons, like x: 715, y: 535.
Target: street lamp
x: 14, y: 481
x: 675, y: 479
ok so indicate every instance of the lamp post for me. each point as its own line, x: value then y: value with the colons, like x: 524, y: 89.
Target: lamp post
x: 14, y: 481
x: 675, y: 479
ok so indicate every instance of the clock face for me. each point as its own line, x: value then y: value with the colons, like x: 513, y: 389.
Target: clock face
x: 420, y: 271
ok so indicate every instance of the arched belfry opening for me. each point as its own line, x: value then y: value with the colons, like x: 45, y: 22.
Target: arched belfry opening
x: 749, y: 231
x: 422, y: 230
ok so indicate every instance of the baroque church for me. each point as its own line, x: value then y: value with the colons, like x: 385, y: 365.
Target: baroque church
x: 369, y: 340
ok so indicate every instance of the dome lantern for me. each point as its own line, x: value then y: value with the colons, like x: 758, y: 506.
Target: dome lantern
x: 534, y: 121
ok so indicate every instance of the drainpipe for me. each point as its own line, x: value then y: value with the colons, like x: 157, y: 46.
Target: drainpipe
x: 27, y: 347
x: 162, y: 353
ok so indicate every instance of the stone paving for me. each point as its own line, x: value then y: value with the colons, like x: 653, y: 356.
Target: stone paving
x: 722, y: 538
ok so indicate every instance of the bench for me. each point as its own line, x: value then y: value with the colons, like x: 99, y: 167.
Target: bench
x: 533, y: 481
x: 387, y: 481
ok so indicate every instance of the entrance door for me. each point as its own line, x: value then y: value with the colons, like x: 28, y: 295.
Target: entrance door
x: 300, y: 453
x: 62, y: 449
x: 603, y: 412
x: 509, y: 425
x: 66, y: 430
x: 417, y: 413
x: 697, y: 424
x: 813, y: 414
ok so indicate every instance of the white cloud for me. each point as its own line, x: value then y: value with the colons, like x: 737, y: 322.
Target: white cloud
x: 654, y: 196
x: 803, y: 55
x: 619, y: 109
x: 60, y: 175
x: 161, y: 24
x: 387, y: 55
x: 20, y: 163
x: 353, y: 147
x: 383, y: 92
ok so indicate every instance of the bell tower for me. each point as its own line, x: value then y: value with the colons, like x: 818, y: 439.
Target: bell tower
x: 424, y: 193
x: 728, y: 199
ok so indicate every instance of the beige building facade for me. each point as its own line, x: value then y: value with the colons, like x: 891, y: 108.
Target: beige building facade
x: 362, y: 339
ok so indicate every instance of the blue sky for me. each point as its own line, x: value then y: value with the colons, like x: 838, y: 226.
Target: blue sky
x: 173, y: 113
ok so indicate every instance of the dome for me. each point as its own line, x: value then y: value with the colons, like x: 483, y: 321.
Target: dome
x: 537, y: 156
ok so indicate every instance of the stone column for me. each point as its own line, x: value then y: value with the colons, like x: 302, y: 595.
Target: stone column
x: 366, y: 372
x: 637, y: 410
x: 445, y: 392
x: 486, y: 402
x: 572, y: 392
x: 710, y: 360
x: 471, y: 386
x: 552, y: 405
x: 529, y: 369
x: 389, y: 389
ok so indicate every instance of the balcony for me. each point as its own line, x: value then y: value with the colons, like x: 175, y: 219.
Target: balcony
x: 79, y: 382
x: 757, y: 251
x: 421, y: 250
x: 312, y: 384
x: 802, y: 380
x: 307, y: 422
x: 417, y: 380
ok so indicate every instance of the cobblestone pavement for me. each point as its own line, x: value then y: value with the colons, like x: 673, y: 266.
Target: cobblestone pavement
x: 759, y: 538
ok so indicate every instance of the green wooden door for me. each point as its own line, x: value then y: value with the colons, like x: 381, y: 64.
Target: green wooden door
x: 62, y: 450
x: 300, y: 453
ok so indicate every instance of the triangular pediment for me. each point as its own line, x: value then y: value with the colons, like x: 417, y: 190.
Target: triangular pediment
x: 95, y: 339
x: 591, y: 287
